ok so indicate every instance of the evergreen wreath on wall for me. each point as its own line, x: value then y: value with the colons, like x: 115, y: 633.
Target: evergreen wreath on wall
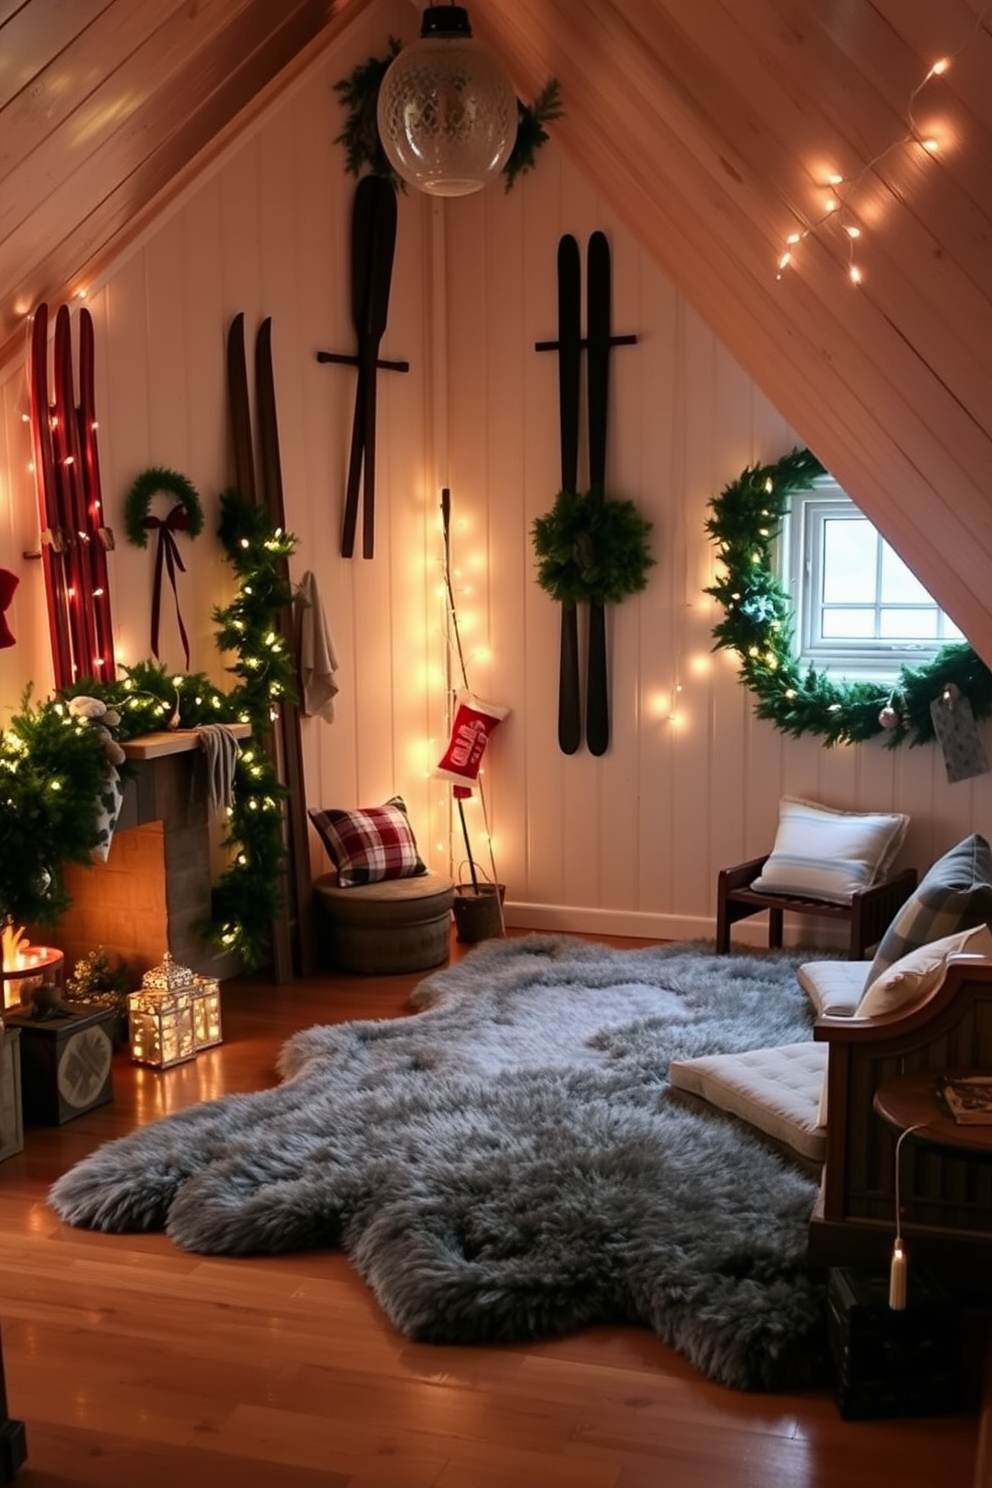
x: 151, y: 482
x: 746, y: 518
x: 591, y: 548
x: 359, y: 95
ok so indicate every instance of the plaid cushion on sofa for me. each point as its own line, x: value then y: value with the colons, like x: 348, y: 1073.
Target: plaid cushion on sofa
x: 370, y: 844
x: 956, y: 894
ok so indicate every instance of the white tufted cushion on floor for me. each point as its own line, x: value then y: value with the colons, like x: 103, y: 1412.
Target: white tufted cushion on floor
x: 776, y: 1090
x: 833, y: 986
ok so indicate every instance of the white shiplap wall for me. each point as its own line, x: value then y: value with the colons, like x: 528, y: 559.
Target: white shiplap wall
x: 630, y: 843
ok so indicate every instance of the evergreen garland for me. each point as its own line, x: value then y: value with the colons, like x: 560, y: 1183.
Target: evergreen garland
x: 52, y: 769
x: 249, y: 894
x: 757, y: 624
x: 591, y: 549
x: 359, y: 95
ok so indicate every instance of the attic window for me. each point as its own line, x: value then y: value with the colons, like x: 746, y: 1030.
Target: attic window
x: 859, y: 610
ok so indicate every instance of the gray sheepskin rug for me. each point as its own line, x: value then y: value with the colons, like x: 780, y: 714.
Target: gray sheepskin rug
x: 509, y: 1162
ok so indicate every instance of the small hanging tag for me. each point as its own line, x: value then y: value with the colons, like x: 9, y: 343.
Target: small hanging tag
x: 957, y: 733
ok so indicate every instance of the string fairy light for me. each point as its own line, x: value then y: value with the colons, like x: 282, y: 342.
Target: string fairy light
x: 837, y: 208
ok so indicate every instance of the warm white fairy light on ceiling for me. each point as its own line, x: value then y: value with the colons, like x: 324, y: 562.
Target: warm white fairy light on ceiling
x: 838, y: 208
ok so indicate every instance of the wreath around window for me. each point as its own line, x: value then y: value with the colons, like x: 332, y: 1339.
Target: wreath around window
x: 757, y: 624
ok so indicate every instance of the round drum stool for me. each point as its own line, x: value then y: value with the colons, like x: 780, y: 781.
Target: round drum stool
x: 401, y: 924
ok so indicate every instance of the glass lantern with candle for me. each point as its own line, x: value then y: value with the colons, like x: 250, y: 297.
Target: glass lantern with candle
x: 206, y: 1012
x: 160, y: 1016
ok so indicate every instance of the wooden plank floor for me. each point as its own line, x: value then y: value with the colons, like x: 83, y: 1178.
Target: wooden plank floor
x: 137, y: 1365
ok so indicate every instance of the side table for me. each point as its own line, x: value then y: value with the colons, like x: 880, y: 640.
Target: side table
x: 909, y: 1103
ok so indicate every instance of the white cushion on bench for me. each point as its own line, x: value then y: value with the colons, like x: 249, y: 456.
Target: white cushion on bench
x: 834, y: 988
x: 775, y: 1090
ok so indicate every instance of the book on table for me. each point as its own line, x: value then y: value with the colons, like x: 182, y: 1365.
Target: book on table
x: 968, y: 1098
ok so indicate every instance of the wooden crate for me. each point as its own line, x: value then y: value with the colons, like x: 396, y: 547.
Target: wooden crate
x: 11, y: 1123
x: 66, y: 1065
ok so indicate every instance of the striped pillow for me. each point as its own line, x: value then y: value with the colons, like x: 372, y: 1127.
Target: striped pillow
x: 371, y: 844
x: 821, y: 853
x: 956, y: 894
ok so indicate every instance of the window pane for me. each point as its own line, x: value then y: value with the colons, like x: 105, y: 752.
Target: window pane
x: 849, y: 554
x: 899, y: 584
x: 848, y: 625
x: 909, y: 625
x: 950, y: 631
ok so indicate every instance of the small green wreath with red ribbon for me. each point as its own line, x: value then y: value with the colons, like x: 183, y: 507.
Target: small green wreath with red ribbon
x: 185, y: 516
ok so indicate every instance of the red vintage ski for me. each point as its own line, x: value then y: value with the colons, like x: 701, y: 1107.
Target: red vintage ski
x: 53, y: 536
x: 71, y: 501
x: 98, y: 535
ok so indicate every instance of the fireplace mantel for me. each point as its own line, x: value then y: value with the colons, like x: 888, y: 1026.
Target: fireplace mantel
x: 153, y: 893
x: 174, y: 741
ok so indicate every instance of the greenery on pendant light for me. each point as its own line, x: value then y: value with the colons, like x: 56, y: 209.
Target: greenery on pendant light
x: 591, y: 548
x: 757, y: 624
x: 53, y: 765
x: 359, y: 95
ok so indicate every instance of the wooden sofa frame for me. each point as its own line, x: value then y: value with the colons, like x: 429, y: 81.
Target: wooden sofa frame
x: 945, y: 1197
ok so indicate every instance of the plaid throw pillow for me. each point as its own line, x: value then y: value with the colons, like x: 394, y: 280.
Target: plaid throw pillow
x: 956, y: 894
x: 370, y: 844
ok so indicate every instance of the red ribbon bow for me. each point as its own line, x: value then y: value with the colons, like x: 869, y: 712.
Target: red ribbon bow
x: 168, y: 556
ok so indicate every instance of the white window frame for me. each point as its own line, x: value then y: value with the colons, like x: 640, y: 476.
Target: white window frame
x: 801, y: 575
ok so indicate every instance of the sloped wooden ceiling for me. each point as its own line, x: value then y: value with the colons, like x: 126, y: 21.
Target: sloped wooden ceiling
x: 107, y: 106
x: 712, y: 126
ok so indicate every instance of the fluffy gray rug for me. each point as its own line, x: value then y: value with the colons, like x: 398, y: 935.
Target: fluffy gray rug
x: 509, y: 1163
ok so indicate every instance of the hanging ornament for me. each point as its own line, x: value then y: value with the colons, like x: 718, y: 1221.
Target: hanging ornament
x: 957, y: 734
x: 889, y: 717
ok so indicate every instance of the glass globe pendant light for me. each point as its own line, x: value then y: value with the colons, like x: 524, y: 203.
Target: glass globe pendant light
x: 447, y: 112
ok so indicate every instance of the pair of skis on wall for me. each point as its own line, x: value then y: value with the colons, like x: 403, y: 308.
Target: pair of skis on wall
x: 597, y: 343
x: 74, y: 538
x: 291, y: 954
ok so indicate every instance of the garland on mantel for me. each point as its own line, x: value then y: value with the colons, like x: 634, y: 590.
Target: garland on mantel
x: 758, y: 625
x: 359, y: 94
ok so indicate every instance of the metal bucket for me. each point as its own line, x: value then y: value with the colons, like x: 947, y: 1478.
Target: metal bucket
x: 477, y: 911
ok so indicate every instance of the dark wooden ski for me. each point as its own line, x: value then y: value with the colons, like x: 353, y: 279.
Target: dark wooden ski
x: 99, y: 536
x: 288, y: 734
x: 244, y: 465
x: 240, y: 409
x: 362, y: 229
x: 373, y: 245
x: 569, y: 353
x: 53, y: 539
x: 383, y: 252
x: 598, y: 364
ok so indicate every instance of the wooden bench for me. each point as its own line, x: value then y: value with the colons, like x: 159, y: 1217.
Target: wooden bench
x: 869, y: 913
